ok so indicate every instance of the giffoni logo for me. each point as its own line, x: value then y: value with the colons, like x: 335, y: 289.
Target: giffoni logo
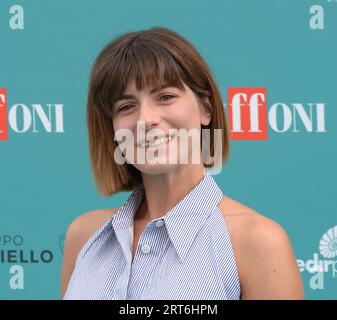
x: 249, y: 117
x: 23, y: 118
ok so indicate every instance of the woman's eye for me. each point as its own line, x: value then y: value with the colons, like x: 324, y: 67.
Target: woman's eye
x: 167, y: 95
x: 124, y: 107
x: 128, y: 106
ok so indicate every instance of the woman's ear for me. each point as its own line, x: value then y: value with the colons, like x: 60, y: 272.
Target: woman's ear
x: 205, y: 115
x: 206, y: 119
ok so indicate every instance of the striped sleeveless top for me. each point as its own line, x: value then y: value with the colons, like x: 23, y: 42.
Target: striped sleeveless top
x: 185, y: 254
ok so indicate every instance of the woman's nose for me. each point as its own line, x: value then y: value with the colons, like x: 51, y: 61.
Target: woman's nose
x: 148, y: 114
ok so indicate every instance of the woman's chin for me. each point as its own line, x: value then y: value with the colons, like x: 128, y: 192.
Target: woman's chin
x: 156, y: 168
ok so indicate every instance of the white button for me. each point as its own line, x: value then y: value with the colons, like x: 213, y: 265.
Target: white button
x: 159, y: 223
x: 146, y: 248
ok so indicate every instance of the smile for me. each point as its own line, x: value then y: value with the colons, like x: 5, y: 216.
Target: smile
x: 156, y: 142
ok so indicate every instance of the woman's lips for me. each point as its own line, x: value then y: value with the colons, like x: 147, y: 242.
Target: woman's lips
x: 155, y: 138
x: 161, y: 144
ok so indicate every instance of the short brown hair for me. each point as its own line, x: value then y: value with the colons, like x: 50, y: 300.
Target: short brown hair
x: 150, y: 57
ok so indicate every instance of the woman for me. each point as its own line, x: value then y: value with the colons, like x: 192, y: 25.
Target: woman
x: 177, y: 236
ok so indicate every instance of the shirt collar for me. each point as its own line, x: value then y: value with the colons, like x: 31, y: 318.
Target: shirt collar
x: 184, y: 220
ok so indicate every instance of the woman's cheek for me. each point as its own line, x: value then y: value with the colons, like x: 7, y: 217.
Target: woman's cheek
x: 185, y: 116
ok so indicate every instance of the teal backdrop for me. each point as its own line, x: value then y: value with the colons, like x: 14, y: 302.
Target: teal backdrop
x: 46, y: 51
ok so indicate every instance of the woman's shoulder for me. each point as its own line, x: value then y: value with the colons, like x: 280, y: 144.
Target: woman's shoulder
x: 87, y: 223
x: 84, y: 226
x: 265, y: 259
x: 249, y: 230
x: 240, y: 216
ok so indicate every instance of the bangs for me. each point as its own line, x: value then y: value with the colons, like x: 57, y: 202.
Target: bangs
x: 150, y: 68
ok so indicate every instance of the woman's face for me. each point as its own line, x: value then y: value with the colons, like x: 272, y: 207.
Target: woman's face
x: 148, y: 115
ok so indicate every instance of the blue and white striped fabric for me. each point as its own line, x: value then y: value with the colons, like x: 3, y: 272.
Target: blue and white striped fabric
x: 185, y: 254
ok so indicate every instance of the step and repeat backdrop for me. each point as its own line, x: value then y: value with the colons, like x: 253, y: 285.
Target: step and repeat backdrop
x: 282, y: 163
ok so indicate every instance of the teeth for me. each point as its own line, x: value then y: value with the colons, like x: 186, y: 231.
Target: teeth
x: 155, y: 142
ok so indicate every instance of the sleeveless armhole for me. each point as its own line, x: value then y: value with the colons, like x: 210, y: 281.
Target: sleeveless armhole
x: 225, y: 257
x: 91, y: 240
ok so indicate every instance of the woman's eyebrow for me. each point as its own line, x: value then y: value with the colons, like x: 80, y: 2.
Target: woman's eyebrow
x: 130, y: 96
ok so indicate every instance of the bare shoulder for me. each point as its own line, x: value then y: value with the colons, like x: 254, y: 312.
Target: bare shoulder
x: 86, y: 224
x: 78, y: 232
x: 243, y: 220
x: 265, y: 259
